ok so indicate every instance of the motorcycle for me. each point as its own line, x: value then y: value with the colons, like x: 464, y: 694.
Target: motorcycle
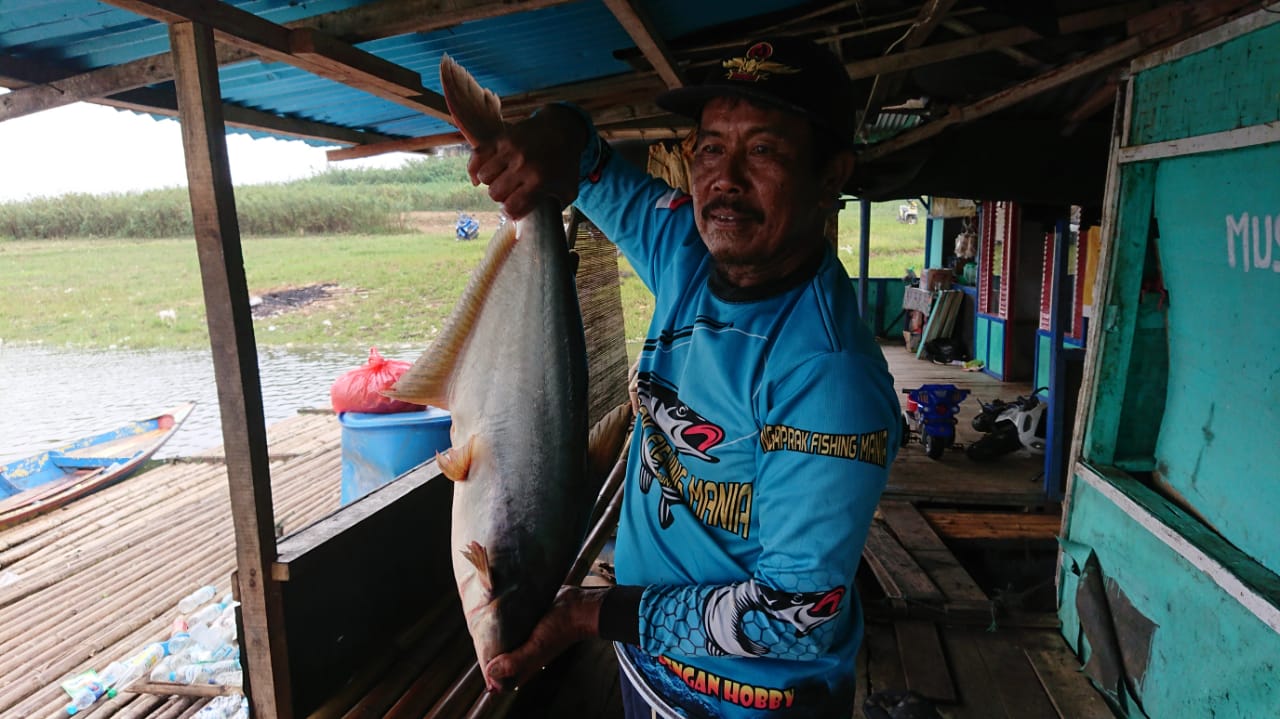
x: 467, y: 227
x: 1008, y: 426
x: 931, y: 416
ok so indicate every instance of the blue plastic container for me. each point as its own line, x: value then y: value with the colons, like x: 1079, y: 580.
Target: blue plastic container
x: 377, y: 448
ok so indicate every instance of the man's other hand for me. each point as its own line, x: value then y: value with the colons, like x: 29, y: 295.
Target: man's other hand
x: 574, y: 616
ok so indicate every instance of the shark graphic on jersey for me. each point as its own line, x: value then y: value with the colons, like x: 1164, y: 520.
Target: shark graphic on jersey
x: 672, y: 428
x: 726, y: 610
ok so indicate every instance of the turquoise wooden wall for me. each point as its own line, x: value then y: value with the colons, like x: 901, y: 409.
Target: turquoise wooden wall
x: 1186, y: 390
x: 884, y: 306
x: 1209, y: 656
x: 988, y: 343
x: 1231, y: 85
x: 1220, y: 253
x: 1044, y: 350
x: 1044, y: 342
x: 934, y: 240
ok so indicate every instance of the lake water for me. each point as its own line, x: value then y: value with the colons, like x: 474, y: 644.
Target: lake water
x: 50, y: 396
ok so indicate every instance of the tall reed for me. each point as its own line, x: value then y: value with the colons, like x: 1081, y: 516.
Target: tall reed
x: 337, y: 201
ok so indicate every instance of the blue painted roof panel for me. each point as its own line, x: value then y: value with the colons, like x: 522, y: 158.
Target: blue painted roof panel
x: 511, y: 54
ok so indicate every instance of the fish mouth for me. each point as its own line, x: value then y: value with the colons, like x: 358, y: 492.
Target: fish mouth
x: 828, y: 605
x: 709, y: 433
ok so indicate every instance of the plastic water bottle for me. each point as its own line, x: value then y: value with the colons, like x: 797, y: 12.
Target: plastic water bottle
x: 85, y: 696
x: 212, y: 637
x: 178, y: 642
x: 228, y: 617
x: 111, y: 675
x: 202, y: 673
x: 121, y: 674
x: 207, y: 615
x: 160, y: 672
x: 189, y: 603
x: 233, y: 678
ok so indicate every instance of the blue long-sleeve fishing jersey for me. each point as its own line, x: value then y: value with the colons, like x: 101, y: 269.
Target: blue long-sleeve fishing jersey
x: 767, y: 424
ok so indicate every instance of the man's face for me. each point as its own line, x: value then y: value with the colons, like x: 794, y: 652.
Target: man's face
x: 757, y: 199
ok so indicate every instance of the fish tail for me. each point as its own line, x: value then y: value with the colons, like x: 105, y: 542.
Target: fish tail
x: 477, y: 112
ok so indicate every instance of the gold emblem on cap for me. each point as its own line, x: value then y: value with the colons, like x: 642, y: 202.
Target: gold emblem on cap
x: 756, y: 65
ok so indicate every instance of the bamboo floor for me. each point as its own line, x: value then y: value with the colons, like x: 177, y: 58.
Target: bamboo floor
x: 100, y: 578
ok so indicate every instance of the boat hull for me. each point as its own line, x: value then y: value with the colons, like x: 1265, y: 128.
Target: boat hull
x: 54, y: 477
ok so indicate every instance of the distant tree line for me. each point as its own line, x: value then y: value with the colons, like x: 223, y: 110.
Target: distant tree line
x: 336, y: 201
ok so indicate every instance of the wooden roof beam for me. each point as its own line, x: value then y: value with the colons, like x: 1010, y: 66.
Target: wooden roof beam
x: 931, y: 14
x: 389, y: 18
x: 406, y: 144
x: 606, y: 89
x: 646, y: 37
x: 359, y: 24
x: 1100, y: 99
x: 84, y: 86
x: 997, y: 40
x: 1010, y: 96
x: 160, y: 102
x: 23, y: 73
x: 304, y: 48
x: 612, y: 114
x: 964, y: 29
x: 1167, y: 24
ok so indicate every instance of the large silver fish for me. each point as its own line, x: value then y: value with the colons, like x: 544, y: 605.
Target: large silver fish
x: 511, y: 366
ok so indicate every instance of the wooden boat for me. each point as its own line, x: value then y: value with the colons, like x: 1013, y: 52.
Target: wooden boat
x: 54, y: 477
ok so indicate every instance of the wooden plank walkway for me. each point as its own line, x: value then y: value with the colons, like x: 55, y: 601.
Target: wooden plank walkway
x: 1014, y: 481
x: 100, y: 578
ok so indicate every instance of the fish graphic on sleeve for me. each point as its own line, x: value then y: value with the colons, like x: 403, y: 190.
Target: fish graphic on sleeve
x: 725, y: 611
x: 688, y: 433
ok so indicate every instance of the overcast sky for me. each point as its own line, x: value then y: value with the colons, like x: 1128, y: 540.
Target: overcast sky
x: 96, y: 149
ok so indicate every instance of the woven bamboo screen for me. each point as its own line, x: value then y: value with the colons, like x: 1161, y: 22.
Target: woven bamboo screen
x: 600, y: 297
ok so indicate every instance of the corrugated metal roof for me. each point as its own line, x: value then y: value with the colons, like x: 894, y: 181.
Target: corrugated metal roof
x: 511, y: 54
x: 959, y: 63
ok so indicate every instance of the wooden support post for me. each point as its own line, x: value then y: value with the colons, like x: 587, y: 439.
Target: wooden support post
x: 235, y: 363
x: 864, y: 253
x: 1057, y: 442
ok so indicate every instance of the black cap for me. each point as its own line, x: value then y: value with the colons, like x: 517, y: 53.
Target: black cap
x: 788, y: 73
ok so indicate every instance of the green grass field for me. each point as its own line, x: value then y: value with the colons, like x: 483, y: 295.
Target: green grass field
x: 392, y: 289
x: 104, y: 272
x: 895, y: 246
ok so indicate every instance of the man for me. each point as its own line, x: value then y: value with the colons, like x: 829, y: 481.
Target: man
x: 767, y: 415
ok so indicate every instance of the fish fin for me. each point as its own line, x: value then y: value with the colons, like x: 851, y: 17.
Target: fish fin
x: 664, y: 512
x: 428, y: 380
x: 455, y: 461
x: 479, y: 558
x: 607, y: 439
x: 477, y: 112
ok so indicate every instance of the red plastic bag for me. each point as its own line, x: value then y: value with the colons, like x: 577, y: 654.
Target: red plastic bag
x: 360, y: 390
